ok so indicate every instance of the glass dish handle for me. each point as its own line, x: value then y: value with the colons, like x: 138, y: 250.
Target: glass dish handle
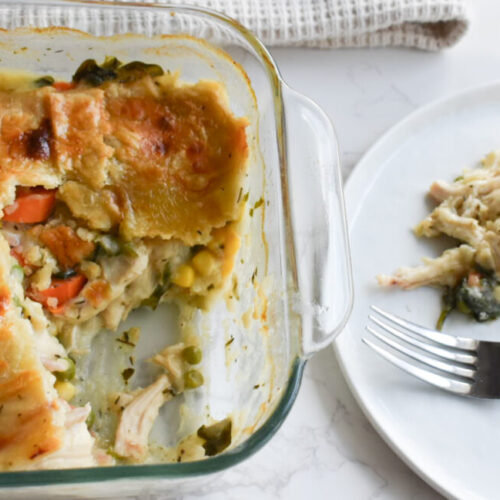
x: 317, y: 213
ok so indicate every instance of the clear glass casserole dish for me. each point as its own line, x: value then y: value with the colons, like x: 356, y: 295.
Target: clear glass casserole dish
x: 293, y: 270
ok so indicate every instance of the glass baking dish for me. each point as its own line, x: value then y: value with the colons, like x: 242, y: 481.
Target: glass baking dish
x: 293, y: 271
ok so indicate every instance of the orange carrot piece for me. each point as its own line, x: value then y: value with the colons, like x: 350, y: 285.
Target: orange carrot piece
x: 32, y: 205
x: 64, y: 85
x: 61, y: 289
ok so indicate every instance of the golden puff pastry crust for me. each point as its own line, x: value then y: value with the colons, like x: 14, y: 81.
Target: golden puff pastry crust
x: 155, y: 157
x: 31, y: 423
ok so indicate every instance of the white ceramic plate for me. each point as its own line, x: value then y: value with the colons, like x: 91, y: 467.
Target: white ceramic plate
x: 452, y: 442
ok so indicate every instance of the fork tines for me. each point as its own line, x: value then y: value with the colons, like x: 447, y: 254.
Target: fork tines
x: 449, y: 362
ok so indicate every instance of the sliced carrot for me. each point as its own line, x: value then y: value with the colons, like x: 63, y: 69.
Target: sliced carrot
x: 59, y: 309
x: 61, y: 289
x: 64, y: 85
x: 32, y: 205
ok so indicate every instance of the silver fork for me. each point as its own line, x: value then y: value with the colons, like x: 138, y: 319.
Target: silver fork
x: 460, y: 365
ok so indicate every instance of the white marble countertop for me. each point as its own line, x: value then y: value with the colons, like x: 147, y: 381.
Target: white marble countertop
x: 326, y: 448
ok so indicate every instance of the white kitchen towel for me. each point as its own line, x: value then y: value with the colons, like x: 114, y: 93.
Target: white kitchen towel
x: 424, y: 24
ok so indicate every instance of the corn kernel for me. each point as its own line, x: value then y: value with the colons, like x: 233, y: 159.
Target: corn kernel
x: 184, y: 276
x: 65, y: 389
x: 204, y: 262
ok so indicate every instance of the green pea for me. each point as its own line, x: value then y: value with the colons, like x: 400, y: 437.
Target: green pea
x: 192, y: 354
x: 67, y: 374
x: 193, y: 379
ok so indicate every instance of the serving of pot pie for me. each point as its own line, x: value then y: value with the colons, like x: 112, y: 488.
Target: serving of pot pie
x: 120, y: 189
x: 467, y: 210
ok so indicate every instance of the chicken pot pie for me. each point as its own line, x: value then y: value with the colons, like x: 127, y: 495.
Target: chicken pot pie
x: 468, y: 210
x: 119, y: 189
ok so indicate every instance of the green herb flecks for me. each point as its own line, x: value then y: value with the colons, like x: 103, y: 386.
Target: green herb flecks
x: 129, y: 337
x: 127, y: 374
x: 153, y: 300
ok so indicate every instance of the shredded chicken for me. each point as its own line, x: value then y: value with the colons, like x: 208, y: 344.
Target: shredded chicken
x: 440, y: 190
x: 469, y: 211
x: 485, y: 186
x: 137, y: 420
x: 51, y: 352
x: 466, y: 229
x: 445, y: 270
x: 118, y: 272
x: 491, y: 248
x: 170, y: 359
